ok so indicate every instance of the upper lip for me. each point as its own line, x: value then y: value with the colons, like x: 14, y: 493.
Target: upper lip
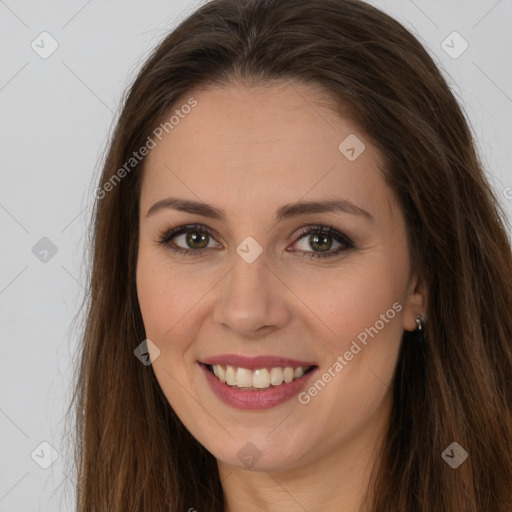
x: 253, y: 363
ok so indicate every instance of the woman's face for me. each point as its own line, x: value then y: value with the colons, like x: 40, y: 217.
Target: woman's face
x: 263, y: 277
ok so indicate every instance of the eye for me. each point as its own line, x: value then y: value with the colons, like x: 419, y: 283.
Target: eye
x: 188, y: 240
x: 196, y: 239
x: 322, y: 239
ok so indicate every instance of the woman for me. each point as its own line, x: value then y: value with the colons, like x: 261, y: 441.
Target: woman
x: 301, y: 278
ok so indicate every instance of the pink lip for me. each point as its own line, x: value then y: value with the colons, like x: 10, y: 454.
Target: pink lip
x: 256, y: 400
x: 254, y: 363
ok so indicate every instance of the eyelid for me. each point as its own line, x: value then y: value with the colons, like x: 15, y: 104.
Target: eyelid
x: 325, y: 230
x: 170, y: 233
x: 165, y: 239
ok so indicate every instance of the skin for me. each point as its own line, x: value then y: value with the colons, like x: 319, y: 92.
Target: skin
x: 226, y: 152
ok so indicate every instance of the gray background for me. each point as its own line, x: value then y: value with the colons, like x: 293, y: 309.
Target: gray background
x: 56, y: 115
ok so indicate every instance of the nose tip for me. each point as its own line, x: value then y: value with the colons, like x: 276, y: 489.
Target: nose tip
x: 249, y: 330
x: 250, y: 302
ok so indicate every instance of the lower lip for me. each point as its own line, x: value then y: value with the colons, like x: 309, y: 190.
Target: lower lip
x: 255, y: 400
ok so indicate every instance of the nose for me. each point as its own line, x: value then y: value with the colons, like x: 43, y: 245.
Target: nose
x: 252, y: 301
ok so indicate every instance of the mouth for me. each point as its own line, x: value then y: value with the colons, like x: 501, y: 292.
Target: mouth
x: 259, y: 379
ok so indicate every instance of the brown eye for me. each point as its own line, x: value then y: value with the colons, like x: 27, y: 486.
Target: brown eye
x: 195, y: 239
x: 188, y: 239
x: 321, y: 240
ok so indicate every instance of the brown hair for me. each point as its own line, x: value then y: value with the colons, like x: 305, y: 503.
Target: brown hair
x: 132, y: 451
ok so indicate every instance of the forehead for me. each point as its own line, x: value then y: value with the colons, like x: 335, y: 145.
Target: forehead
x: 266, y: 144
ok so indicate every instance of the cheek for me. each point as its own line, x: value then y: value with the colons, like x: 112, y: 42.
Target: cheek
x: 171, y: 299
x: 162, y: 298
x: 363, y: 313
x: 357, y: 321
x: 346, y: 302
x: 152, y: 294
x: 165, y: 299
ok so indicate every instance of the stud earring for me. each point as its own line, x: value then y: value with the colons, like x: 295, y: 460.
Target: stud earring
x: 420, y: 323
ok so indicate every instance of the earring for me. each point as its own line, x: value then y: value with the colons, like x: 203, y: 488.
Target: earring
x: 420, y: 323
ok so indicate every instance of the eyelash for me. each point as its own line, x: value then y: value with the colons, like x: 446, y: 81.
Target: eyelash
x: 339, y: 237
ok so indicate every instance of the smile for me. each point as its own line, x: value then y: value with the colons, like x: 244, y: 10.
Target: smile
x: 261, y: 378
x: 259, y: 388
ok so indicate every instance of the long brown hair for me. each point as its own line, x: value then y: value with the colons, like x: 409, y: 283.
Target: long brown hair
x: 132, y: 451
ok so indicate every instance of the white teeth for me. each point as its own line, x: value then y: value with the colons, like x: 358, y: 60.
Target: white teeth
x: 288, y: 374
x: 230, y: 376
x: 299, y: 372
x: 261, y: 378
x: 276, y: 376
x: 243, y: 378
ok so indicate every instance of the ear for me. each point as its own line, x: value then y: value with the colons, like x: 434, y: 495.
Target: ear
x: 415, y: 303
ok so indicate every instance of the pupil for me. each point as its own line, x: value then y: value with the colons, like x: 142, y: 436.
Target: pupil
x: 193, y: 238
x: 201, y: 239
x: 325, y: 239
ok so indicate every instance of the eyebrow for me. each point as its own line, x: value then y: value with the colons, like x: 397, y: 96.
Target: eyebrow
x: 284, y: 212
